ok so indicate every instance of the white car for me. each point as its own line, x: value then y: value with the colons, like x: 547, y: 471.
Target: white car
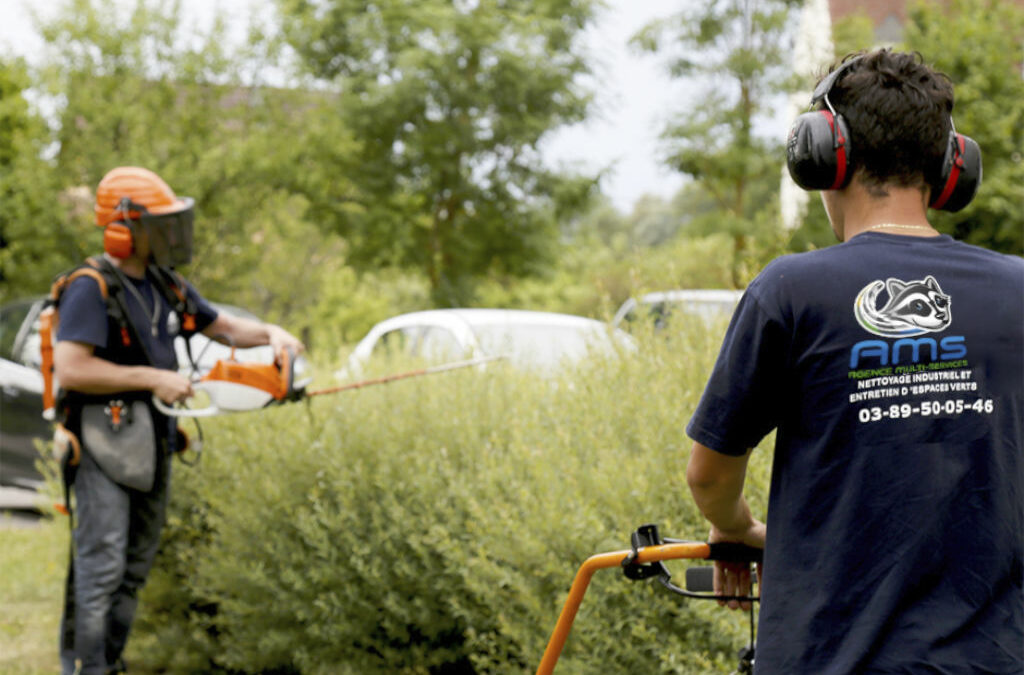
x: 526, y: 339
x: 710, y: 305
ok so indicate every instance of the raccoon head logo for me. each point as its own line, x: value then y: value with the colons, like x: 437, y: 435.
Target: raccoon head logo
x: 913, y: 308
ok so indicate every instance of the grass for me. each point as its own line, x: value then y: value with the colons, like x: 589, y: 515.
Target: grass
x: 33, y: 564
x: 33, y: 568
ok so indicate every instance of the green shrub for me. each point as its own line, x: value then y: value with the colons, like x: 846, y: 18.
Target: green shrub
x: 435, y: 525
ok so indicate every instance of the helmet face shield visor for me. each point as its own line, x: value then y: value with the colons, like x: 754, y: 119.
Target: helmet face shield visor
x: 170, y: 235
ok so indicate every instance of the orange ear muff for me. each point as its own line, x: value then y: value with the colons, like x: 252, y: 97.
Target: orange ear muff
x: 117, y: 240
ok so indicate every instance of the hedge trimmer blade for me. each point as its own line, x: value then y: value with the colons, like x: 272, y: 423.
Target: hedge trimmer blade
x: 384, y: 379
x: 233, y: 387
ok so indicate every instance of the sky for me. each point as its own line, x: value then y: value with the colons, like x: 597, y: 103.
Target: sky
x: 634, y: 101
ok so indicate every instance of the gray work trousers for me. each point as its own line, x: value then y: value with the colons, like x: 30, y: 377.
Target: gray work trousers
x: 116, y: 538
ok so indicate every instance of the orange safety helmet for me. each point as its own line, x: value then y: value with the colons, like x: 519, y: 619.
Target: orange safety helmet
x: 132, y: 193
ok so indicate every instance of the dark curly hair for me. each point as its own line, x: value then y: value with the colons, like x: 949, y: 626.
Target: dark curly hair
x: 899, y: 114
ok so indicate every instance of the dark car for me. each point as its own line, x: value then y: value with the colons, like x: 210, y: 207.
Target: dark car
x: 21, y: 407
x: 709, y: 305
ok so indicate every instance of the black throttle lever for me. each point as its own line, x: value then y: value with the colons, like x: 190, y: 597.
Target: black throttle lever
x: 645, y: 535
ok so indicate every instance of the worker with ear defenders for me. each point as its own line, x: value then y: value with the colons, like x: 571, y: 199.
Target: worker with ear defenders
x: 891, y: 367
x: 114, y: 353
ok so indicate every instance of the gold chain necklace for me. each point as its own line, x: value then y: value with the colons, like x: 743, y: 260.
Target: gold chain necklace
x: 905, y: 227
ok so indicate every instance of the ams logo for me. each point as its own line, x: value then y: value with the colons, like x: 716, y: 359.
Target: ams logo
x: 912, y: 308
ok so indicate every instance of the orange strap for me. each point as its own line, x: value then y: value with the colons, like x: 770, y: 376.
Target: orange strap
x: 47, y: 329
x: 48, y: 323
x: 188, y: 321
x: 58, y: 286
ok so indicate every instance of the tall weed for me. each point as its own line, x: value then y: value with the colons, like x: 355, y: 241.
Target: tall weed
x: 435, y: 525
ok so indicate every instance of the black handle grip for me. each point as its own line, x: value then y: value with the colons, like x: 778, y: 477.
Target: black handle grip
x: 728, y: 551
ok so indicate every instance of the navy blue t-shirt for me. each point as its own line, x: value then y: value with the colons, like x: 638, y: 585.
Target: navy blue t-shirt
x: 84, y: 318
x: 892, y: 368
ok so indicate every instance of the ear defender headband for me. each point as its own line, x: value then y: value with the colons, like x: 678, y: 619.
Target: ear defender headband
x: 818, y: 152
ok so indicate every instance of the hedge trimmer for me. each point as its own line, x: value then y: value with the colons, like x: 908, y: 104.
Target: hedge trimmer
x: 232, y: 386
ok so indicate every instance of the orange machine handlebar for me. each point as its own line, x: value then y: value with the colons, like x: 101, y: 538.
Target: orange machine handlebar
x: 647, y: 554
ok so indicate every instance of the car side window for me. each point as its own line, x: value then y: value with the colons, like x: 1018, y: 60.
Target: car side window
x: 394, y: 343
x: 439, y: 344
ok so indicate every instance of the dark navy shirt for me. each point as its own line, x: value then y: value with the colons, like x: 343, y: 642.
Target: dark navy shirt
x: 83, y: 318
x: 892, y: 369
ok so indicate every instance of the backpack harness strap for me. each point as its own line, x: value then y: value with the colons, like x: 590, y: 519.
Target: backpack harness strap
x: 175, y: 292
x: 49, y: 318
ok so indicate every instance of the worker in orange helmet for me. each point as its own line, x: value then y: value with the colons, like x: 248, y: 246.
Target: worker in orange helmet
x: 114, y: 354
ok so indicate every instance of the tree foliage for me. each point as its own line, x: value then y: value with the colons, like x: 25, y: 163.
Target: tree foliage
x: 980, y: 45
x: 734, y: 54
x: 449, y: 101
x: 400, y: 168
x: 142, y: 87
x: 33, y: 240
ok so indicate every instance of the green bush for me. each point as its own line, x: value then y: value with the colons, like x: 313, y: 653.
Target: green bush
x: 435, y: 525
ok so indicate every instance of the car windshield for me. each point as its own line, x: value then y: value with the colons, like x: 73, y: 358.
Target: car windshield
x: 538, y: 345
x: 709, y: 310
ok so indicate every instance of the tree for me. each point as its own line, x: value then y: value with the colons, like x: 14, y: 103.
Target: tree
x: 734, y: 54
x: 449, y: 100
x: 655, y: 221
x: 980, y: 45
x: 34, y: 244
x: 143, y: 88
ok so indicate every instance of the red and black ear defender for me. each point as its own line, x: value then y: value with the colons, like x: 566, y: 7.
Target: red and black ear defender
x: 818, y: 153
x: 818, y: 147
x: 960, y: 177
x: 117, y: 235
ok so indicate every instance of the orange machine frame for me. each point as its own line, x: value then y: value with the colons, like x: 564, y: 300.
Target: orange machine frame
x: 646, y: 554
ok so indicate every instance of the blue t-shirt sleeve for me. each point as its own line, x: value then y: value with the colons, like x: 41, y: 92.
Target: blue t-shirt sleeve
x: 205, y: 312
x: 83, y: 313
x: 743, y: 397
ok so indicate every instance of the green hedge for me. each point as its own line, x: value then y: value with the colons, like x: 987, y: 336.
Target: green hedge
x: 434, y: 526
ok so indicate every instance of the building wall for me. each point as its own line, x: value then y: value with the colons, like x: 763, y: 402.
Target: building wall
x: 878, y: 10
x: 887, y: 15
